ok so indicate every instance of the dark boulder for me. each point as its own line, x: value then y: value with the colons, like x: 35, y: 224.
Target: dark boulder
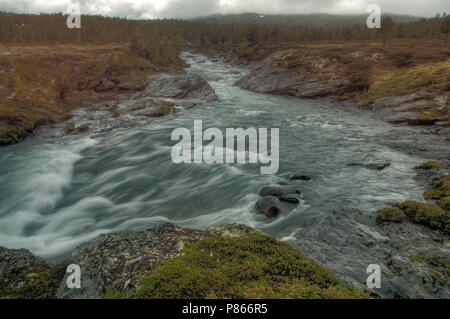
x: 290, y: 199
x: 278, y: 191
x: 298, y: 177
x: 372, y: 164
x: 269, y: 206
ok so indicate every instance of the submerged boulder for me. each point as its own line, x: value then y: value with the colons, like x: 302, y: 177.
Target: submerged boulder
x: 371, y: 163
x: 298, y: 177
x: 269, y: 206
x: 279, y: 191
x: 277, y: 199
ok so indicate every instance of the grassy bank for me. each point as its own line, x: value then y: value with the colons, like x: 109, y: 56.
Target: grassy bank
x: 42, y: 84
x: 251, y: 266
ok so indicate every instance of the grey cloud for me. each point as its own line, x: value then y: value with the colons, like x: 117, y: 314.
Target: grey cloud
x: 192, y: 8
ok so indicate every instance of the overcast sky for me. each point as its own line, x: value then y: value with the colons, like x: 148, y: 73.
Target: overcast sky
x: 193, y: 8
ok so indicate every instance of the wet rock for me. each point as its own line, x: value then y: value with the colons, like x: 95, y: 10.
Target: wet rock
x: 284, y: 82
x: 348, y: 241
x: 149, y: 107
x: 269, y: 206
x: 372, y: 164
x: 422, y: 143
x: 412, y: 108
x: 298, y: 176
x: 278, y: 191
x: 72, y: 129
x: 290, y: 199
x: 129, y: 83
x: 179, y: 86
x: 410, y: 118
x: 105, y: 85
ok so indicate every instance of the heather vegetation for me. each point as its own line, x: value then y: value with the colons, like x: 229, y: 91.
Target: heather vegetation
x: 251, y: 266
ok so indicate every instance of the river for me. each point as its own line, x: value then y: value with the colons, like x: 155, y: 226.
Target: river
x: 58, y: 191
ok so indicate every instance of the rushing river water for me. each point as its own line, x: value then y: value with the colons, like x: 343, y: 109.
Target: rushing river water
x: 58, y: 191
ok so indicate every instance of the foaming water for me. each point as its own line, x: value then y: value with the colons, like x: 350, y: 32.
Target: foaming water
x: 56, y: 193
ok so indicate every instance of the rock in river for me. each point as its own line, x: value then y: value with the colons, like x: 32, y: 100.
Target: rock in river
x: 180, y: 86
x: 269, y: 206
x: 279, y: 191
x: 298, y: 177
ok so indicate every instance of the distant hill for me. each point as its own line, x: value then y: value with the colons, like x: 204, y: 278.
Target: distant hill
x: 311, y: 20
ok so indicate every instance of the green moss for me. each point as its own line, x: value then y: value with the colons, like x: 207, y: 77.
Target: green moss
x: 440, y: 262
x: 389, y: 262
x: 112, y: 293
x: 389, y: 215
x: 432, y: 165
x: 435, y: 275
x: 38, y: 282
x: 445, y: 203
x: 250, y: 266
x: 417, y: 258
x: 428, y: 215
x: 440, y: 189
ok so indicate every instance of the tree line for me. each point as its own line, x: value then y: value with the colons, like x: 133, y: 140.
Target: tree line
x: 160, y: 35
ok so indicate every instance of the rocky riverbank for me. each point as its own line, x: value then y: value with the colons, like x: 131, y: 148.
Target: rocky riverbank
x: 401, y: 84
x: 45, y: 85
x: 155, y: 262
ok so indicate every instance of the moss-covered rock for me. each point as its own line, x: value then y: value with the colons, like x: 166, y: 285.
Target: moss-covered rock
x: 432, y: 165
x: 389, y: 215
x: 440, y: 189
x: 428, y: 215
x: 25, y: 276
x: 249, y: 266
x: 417, y: 258
x: 445, y: 203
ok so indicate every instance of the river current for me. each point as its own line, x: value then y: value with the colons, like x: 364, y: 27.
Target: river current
x: 59, y: 191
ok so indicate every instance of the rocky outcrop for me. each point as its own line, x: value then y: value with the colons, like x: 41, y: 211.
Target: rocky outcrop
x: 179, y: 86
x: 120, y: 260
x: 116, y: 261
x: 167, y: 93
x: 279, y: 81
x: 24, y: 275
x: 414, y: 260
x: 420, y: 108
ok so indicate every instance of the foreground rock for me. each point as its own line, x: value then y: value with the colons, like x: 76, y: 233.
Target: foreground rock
x: 414, y: 260
x: 156, y: 264
x: 24, y: 275
x: 120, y: 260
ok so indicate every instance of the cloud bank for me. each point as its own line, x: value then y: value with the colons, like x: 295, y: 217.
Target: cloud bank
x: 142, y: 9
